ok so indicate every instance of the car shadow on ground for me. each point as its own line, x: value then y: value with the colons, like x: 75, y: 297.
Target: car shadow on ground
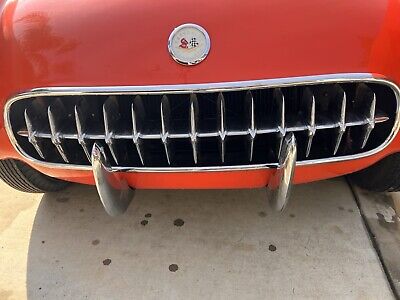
x: 198, y: 244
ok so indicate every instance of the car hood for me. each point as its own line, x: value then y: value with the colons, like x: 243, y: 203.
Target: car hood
x: 124, y: 42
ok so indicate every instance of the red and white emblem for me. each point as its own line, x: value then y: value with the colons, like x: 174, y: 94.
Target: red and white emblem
x: 189, y: 44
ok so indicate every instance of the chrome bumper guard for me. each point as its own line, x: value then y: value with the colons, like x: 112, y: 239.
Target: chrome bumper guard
x: 116, y: 195
x: 280, y: 184
x: 114, y: 191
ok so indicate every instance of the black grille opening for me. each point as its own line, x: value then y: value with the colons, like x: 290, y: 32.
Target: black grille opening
x: 206, y: 129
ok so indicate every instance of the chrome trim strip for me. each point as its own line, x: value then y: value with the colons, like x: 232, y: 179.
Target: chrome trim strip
x: 248, y: 132
x: 204, y: 88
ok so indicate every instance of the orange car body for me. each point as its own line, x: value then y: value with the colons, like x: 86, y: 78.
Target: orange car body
x: 47, y: 43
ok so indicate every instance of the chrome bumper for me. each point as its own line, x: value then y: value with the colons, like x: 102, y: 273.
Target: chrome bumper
x: 116, y: 195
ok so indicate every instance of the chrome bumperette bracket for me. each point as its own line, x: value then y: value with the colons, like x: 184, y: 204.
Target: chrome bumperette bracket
x: 280, y: 184
x: 114, y: 191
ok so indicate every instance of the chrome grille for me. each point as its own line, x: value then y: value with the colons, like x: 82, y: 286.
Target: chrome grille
x: 210, y: 128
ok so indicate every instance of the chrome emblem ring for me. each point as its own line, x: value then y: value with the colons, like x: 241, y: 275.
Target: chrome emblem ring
x: 189, y: 44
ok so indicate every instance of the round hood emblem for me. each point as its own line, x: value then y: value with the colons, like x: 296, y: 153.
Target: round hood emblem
x: 189, y: 44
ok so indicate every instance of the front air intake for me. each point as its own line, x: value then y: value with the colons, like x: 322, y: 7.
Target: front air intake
x: 210, y: 127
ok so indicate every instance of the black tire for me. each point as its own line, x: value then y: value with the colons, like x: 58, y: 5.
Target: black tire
x: 384, y: 176
x: 22, y: 177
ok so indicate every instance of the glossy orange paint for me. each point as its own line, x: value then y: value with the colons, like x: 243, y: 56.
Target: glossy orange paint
x: 47, y: 43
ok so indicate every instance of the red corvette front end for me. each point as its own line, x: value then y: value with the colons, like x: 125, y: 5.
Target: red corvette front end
x: 243, y: 95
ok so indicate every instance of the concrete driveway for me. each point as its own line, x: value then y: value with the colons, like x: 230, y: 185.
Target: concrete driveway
x: 188, y: 245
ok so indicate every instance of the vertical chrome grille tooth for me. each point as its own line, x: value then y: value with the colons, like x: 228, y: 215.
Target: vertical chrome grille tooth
x: 309, y: 100
x: 280, y: 102
x: 135, y: 131
x: 110, y: 114
x: 194, y: 114
x: 31, y: 134
x: 252, y: 126
x: 55, y: 133
x: 371, y: 121
x: 342, y: 121
x: 365, y: 102
x: 222, y: 125
x: 165, y: 117
x: 80, y: 123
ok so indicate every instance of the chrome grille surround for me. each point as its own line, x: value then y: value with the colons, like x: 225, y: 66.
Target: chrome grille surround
x: 136, y: 136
